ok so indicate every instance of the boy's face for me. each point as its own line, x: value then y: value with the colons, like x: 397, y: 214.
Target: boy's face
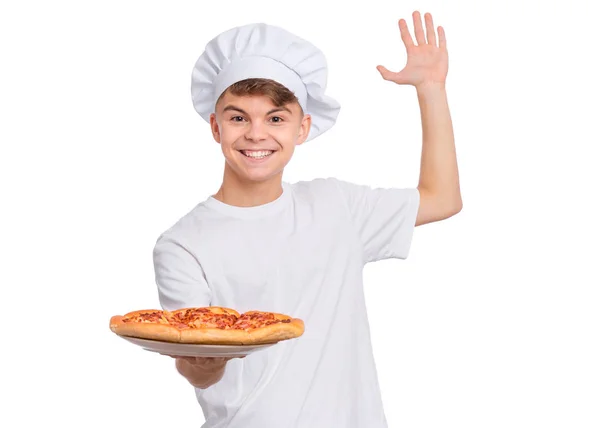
x: 257, y: 138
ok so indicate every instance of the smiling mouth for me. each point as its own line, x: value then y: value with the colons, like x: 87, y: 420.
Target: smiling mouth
x: 257, y: 154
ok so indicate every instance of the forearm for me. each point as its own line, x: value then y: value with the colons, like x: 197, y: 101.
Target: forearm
x: 439, y: 167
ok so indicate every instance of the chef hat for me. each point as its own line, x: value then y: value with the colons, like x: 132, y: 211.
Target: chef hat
x: 265, y: 51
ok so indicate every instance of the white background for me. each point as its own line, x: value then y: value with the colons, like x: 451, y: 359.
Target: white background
x: 493, y: 320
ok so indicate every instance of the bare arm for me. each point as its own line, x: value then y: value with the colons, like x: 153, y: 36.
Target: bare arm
x: 438, y: 182
x: 426, y: 69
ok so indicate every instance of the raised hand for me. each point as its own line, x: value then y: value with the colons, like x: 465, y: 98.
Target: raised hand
x: 427, y: 61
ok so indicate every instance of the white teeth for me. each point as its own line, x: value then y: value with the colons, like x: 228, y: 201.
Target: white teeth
x: 257, y: 154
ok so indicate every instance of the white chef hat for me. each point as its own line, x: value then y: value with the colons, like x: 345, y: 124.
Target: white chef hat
x: 269, y: 52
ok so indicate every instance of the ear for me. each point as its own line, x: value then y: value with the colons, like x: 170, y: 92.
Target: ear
x: 214, y: 127
x: 304, y: 129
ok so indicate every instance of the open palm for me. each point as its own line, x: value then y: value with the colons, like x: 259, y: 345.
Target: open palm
x: 427, y: 61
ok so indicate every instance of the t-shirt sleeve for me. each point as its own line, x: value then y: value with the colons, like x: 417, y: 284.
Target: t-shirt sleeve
x: 384, y: 218
x: 179, y: 276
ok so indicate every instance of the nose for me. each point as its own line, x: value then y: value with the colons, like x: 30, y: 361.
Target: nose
x: 256, y: 131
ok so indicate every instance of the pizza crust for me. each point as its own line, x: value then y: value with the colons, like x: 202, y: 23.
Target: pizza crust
x: 277, y: 332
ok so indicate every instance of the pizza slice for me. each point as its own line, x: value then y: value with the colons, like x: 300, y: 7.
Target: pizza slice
x: 147, y: 324
x: 250, y: 328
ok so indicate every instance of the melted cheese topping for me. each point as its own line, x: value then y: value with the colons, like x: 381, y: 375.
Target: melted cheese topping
x: 256, y: 320
x: 205, y: 318
x: 148, y: 317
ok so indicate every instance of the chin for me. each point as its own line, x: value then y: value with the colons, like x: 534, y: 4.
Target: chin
x: 259, y: 176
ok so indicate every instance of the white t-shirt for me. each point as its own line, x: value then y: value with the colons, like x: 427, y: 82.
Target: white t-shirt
x: 302, y: 255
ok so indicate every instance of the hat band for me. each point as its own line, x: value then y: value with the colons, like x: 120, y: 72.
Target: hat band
x: 260, y: 67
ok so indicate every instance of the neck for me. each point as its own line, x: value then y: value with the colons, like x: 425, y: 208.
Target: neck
x: 240, y: 193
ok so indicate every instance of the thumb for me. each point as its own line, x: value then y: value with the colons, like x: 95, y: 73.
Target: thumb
x: 385, y: 73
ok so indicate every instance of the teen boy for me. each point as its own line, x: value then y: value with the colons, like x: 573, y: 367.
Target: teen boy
x: 265, y: 244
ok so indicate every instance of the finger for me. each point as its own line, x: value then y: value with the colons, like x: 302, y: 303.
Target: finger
x: 191, y: 360
x: 419, y: 34
x: 385, y: 73
x: 405, y: 34
x: 430, y: 31
x: 211, y: 360
x: 442, y: 37
x: 174, y: 356
x: 204, y: 362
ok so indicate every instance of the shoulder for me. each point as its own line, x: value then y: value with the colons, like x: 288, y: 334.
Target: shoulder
x: 321, y: 188
x: 187, y: 227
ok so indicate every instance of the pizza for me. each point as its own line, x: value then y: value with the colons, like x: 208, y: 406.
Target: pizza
x: 212, y: 325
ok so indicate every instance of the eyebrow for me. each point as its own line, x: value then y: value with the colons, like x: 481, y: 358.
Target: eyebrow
x: 275, y: 110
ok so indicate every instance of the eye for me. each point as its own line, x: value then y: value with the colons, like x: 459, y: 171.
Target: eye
x: 235, y: 119
x: 277, y: 119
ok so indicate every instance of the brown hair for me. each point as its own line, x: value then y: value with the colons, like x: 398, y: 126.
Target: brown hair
x: 276, y: 92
